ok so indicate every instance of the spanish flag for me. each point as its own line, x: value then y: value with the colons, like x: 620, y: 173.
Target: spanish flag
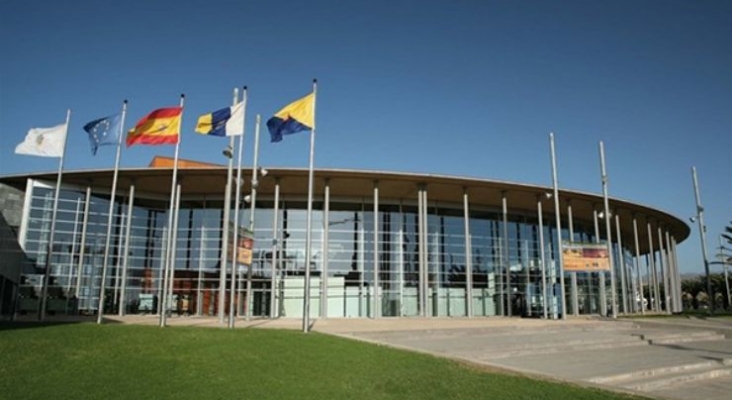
x: 294, y: 117
x: 161, y: 126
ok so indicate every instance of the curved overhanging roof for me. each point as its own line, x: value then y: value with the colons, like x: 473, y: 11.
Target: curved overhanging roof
x: 483, y: 193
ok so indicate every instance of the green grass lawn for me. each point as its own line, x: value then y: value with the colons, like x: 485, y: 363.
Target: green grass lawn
x: 76, y: 361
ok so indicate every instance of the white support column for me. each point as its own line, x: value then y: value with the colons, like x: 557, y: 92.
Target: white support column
x: 276, y: 245
x: 434, y: 249
x: 126, y: 251
x: 199, y: 281
x: 638, y: 290
x: 77, y: 215
x: 400, y: 263
x: 425, y: 252
x: 655, y: 305
x: 526, y: 264
x: 163, y: 275
x: 506, y: 263
x: 544, y: 298
x: 422, y: 252
x: 679, y: 302
x: 663, y: 267
x: 82, y: 245
x: 376, y: 309
x: 362, y: 264
x: 326, y: 251
x: 649, y: 283
x: 673, y: 284
x: 601, y: 274
x: 420, y: 304
x: 573, y: 274
x: 117, y: 264
x: 621, y: 264
x: 468, y: 256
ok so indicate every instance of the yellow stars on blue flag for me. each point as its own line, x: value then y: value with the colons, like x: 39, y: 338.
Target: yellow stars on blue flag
x: 103, y: 131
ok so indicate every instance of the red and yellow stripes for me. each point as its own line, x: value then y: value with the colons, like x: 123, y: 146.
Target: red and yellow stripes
x: 161, y: 126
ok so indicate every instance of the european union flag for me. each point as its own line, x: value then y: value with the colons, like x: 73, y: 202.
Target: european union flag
x: 103, y: 131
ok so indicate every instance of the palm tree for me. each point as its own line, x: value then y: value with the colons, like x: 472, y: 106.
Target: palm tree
x: 728, y: 233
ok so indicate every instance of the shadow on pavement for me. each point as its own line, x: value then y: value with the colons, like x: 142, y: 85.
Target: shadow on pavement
x: 30, y: 324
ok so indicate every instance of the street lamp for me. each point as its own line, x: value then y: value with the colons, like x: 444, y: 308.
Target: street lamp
x: 256, y: 170
x: 725, y: 262
x: 228, y: 152
x: 699, y: 218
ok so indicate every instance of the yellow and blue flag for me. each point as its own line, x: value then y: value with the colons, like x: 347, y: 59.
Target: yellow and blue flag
x: 295, y: 117
x: 103, y: 131
x: 225, y: 122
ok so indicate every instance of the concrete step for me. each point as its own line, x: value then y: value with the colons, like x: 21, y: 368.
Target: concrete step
x: 499, y: 332
x: 564, y: 341
x: 551, y: 348
x: 682, y: 337
x: 654, y: 372
x: 677, y: 378
x: 716, y: 389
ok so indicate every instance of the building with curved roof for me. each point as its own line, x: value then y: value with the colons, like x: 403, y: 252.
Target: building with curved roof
x: 384, y: 244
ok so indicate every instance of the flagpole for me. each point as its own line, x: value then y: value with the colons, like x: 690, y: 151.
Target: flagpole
x: 608, y: 231
x: 173, y: 241
x: 235, y: 238
x: 49, y: 250
x: 171, y: 209
x: 308, y: 227
x: 559, y: 226
x: 225, y: 226
x: 252, y: 208
x: 237, y: 202
x: 100, y: 307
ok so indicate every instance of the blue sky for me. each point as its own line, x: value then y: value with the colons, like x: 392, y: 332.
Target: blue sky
x: 467, y: 88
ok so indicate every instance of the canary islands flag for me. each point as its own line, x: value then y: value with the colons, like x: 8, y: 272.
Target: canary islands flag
x: 161, y: 126
x: 225, y: 122
x: 295, y: 117
x: 44, y: 142
x: 104, y: 131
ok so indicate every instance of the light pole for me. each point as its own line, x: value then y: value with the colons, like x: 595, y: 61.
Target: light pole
x: 725, y: 262
x: 703, y: 234
x: 252, y: 200
x: 608, y: 232
x: 229, y: 154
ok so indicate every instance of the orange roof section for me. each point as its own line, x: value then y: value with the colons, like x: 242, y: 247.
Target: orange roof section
x: 167, y: 162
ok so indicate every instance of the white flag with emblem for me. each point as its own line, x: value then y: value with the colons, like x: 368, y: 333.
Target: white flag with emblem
x: 44, y: 142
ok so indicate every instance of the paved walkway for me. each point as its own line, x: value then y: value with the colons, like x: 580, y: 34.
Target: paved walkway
x: 352, y: 325
x: 667, y: 358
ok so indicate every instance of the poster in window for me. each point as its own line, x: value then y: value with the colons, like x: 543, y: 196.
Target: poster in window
x: 586, y: 257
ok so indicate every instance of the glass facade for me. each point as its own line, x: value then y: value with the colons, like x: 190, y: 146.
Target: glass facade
x: 356, y: 273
